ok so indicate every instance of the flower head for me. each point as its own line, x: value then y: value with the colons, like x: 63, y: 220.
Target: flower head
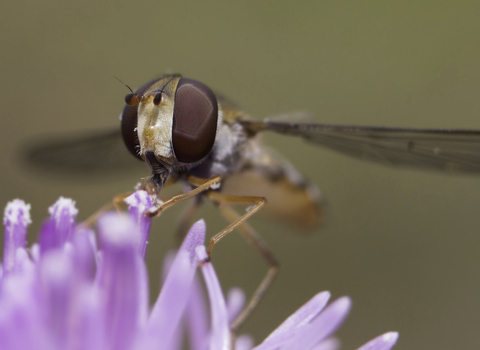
x: 75, y: 289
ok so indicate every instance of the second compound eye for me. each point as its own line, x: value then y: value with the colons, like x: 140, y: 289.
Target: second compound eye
x: 195, y: 118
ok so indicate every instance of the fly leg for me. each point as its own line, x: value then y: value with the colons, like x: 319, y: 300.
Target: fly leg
x: 114, y: 204
x: 224, y: 201
x: 201, y: 185
x: 117, y: 201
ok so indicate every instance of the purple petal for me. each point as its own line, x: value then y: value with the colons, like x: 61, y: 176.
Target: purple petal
x: 23, y: 264
x: 19, y: 316
x: 122, y: 279
x: 329, y: 344
x: 177, y: 337
x: 302, y: 316
x: 311, y: 334
x: 56, y: 276
x: 47, y: 237
x: 171, y: 303
x: 16, y: 218
x: 64, y: 213
x: 244, y: 342
x: 84, y: 254
x: 59, y: 229
x: 220, y: 337
x: 167, y: 263
x: 73, y: 316
x: 322, y: 326
x: 235, y: 303
x: 384, y: 342
x: 138, y: 203
x: 196, y: 317
x: 89, y: 331
x: 35, y: 252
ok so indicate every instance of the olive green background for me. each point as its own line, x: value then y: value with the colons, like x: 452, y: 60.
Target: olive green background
x: 403, y: 244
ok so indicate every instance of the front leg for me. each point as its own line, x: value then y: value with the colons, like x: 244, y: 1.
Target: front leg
x: 202, y: 185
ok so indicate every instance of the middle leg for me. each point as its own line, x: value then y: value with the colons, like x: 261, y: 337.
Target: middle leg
x: 224, y: 203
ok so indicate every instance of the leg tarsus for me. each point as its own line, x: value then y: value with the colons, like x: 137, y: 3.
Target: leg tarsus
x: 203, y: 185
x: 119, y: 199
x: 115, y: 204
x: 251, y: 237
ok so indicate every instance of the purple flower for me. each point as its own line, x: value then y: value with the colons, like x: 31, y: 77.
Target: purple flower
x: 78, y: 290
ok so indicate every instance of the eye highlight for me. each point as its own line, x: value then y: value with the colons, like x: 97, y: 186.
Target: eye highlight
x: 194, y: 121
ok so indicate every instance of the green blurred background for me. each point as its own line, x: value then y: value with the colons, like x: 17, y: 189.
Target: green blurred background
x: 403, y: 244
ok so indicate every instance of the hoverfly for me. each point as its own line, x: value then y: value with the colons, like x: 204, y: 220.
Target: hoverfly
x: 184, y: 132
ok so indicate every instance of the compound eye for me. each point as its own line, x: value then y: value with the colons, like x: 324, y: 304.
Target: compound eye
x: 194, y: 121
x: 130, y: 117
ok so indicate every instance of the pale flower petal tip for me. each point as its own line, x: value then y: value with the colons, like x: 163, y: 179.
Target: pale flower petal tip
x: 16, y: 219
x: 383, y: 342
x: 17, y: 211
x: 63, y: 207
x: 55, y: 268
x: 62, y: 227
x: 235, y: 303
x: 139, y: 203
x: 195, y: 238
x: 244, y: 342
x: 201, y: 253
x: 116, y: 229
x: 329, y: 344
x: 140, y: 199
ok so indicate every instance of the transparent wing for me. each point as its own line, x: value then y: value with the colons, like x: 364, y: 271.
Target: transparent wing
x: 439, y: 149
x: 80, y: 153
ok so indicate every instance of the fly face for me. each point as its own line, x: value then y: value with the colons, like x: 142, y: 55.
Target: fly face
x: 170, y: 123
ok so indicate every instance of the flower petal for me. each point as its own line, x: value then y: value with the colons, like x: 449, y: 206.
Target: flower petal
x: 122, y: 279
x: 384, y: 342
x: 84, y: 254
x: 171, y: 303
x: 47, y: 237
x: 64, y: 213
x: 56, y: 279
x: 244, y: 342
x: 322, y: 326
x: 20, y: 313
x: 220, y: 337
x: 138, y: 203
x: 319, y: 328
x: 235, y: 303
x: 16, y: 219
x: 89, y: 328
x: 303, y: 315
x: 23, y: 264
x: 59, y: 229
x: 197, y: 318
x: 329, y: 344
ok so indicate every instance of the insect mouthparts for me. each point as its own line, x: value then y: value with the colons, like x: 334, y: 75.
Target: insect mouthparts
x: 160, y: 171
